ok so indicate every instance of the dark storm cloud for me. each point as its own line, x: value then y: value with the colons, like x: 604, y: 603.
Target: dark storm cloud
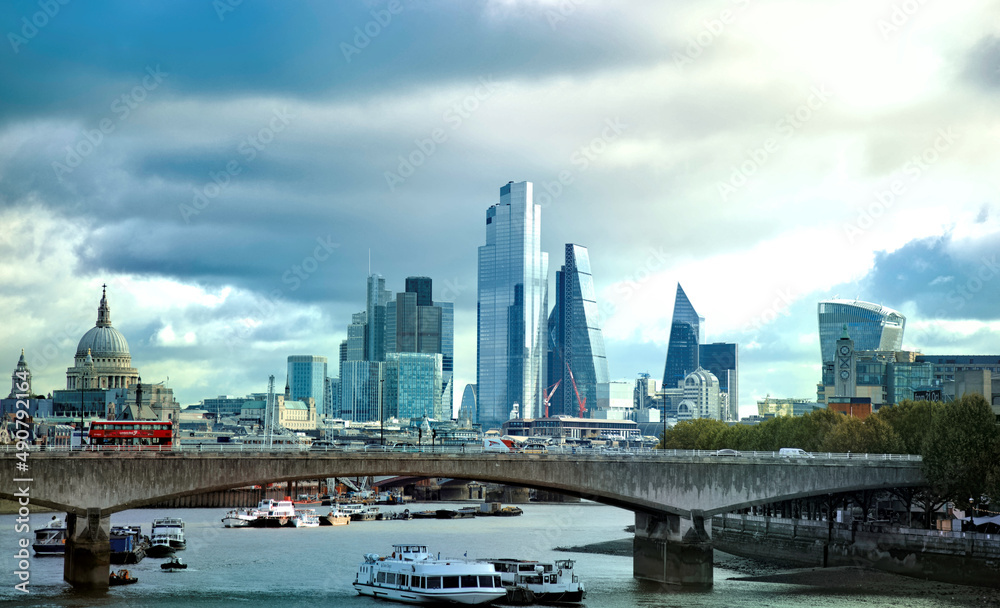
x: 944, y: 277
x: 982, y: 66
x: 314, y: 49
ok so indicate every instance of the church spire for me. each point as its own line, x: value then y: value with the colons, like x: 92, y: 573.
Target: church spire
x: 103, y: 312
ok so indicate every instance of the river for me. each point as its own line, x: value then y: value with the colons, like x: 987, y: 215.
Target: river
x: 291, y: 567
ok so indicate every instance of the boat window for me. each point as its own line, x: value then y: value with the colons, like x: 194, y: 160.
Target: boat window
x: 470, y: 580
x: 451, y: 582
x: 486, y: 581
x: 433, y: 582
x: 402, y: 580
x: 380, y: 578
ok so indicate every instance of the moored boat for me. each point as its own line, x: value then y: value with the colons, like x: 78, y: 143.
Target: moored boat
x: 127, y: 545
x: 305, y: 518
x: 239, y: 518
x: 414, y: 576
x: 50, y: 539
x: 529, y: 581
x: 172, y: 528
x: 160, y: 546
x: 335, y: 517
x: 272, y: 513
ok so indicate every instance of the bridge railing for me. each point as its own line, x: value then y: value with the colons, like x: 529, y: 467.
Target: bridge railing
x: 720, y: 455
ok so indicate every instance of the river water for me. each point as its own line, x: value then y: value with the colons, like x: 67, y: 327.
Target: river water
x: 290, y: 567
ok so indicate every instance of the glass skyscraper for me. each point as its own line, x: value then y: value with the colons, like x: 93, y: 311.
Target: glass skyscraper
x: 685, y: 336
x: 722, y: 359
x: 575, y: 339
x: 871, y: 326
x: 512, y: 308
x: 307, y: 378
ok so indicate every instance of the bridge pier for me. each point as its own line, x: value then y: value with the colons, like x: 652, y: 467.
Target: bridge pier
x: 88, y: 550
x: 673, y: 550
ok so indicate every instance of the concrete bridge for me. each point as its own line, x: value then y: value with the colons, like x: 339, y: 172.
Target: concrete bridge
x: 673, y: 495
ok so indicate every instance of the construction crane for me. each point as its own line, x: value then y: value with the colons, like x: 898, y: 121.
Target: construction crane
x: 549, y: 395
x: 581, y: 402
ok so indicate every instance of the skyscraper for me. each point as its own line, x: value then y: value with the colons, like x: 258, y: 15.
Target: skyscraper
x: 307, y: 378
x: 378, y: 297
x: 722, y: 359
x: 871, y: 326
x: 685, y: 336
x: 576, y: 344
x: 512, y: 308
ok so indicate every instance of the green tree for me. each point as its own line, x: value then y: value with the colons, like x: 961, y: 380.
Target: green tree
x: 699, y: 434
x: 960, y: 450
x: 912, y: 421
x: 869, y: 436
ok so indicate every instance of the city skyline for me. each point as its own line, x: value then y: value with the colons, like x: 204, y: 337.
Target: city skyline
x: 230, y: 199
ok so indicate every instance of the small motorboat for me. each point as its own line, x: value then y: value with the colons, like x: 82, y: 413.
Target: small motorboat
x: 173, y: 564
x: 122, y: 577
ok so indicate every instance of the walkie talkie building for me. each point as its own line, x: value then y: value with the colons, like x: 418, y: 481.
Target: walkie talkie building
x: 871, y: 326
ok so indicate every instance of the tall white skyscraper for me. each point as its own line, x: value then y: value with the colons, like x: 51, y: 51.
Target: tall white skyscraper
x: 513, y: 308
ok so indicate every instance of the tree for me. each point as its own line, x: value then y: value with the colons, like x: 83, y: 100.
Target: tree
x: 699, y: 434
x: 960, y: 450
x: 911, y: 420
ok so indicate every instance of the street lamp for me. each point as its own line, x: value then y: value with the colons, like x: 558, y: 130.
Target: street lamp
x: 664, y: 416
x: 381, y: 418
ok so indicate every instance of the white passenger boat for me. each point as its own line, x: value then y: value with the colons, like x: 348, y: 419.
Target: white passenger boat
x: 239, y: 518
x: 171, y: 528
x: 305, y: 518
x: 336, y: 517
x: 50, y: 539
x: 414, y: 576
x: 528, y: 581
x: 272, y: 513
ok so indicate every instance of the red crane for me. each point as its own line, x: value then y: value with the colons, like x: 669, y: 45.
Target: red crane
x: 581, y: 402
x: 549, y: 396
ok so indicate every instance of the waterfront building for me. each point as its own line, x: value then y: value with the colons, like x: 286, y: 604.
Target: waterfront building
x: 722, y: 359
x: 306, y: 379
x: 569, y: 427
x: 685, y: 336
x: 224, y: 405
x: 512, y: 308
x: 293, y: 414
x: 871, y: 326
x: 576, y: 345
x: 615, y: 401
x: 774, y: 406
x: 885, y: 378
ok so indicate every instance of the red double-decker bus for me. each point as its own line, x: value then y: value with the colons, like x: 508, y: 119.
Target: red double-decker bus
x: 132, y: 432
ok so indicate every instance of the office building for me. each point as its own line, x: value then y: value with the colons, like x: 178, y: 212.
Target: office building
x: 577, y: 363
x: 872, y: 327
x: 413, y: 386
x: 513, y: 307
x: 378, y: 296
x: 307, y: 379
x: 685, y: 336
x: 722, y: 359
x: 361, y: 384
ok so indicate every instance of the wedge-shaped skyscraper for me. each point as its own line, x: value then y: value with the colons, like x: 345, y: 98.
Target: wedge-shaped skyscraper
x: 685, y: 336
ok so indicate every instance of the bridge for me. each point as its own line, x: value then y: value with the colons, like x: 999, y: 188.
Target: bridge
x: 673, y: 493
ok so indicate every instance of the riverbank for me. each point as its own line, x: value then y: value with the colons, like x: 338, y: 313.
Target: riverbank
x: 846, y: 581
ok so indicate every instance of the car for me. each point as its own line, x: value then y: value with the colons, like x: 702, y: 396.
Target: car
x: 794, y: 453
x: 727, y: 452
x: 534, y: 448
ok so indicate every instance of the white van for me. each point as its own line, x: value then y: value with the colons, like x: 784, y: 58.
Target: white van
x: 794, y: 453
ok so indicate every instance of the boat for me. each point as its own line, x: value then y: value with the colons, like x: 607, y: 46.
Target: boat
x: 412, y: 575
x: 239, y: 518
x: 127, y: 545
x: 305, y: 518
x: 529, y: 581
x: 424, y: 515
x: 173, y: 564
x: 335, y: 517
x: 173, y: 529
x: 160, y: 546
x: 50, y: 539
x: 122, y: 577
x: 360, y: 512
x: 272, y: 513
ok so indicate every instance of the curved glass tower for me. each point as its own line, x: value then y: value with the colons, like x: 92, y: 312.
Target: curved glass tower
x: 685, y: 336
x: 871, y: 326
x: 575, y: 339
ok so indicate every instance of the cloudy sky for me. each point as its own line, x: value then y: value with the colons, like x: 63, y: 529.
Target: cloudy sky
x: 226, y: 167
